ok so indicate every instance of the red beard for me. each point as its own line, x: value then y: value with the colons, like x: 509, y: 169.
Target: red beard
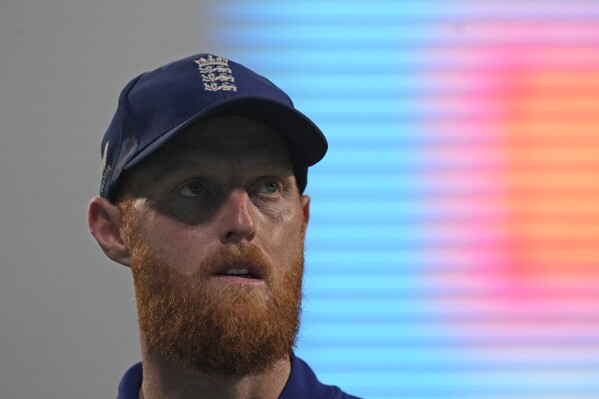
x: 238, y: 330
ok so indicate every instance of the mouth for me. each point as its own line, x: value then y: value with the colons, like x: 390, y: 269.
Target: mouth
x: 242, y: 274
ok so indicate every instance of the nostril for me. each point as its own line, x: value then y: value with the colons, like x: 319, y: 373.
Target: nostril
x: 238, y: 235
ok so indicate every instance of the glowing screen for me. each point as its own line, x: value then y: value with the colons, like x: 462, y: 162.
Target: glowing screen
x: 453, y: 249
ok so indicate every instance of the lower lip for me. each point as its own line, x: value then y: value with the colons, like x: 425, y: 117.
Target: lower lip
x: 236, y: 280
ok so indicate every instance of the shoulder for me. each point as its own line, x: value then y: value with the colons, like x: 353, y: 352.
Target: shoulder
x: 131, y: 382
x: 303, y: 383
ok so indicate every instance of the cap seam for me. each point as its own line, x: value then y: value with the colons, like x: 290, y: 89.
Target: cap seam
x: 126, y: 97
x: 126, y: 117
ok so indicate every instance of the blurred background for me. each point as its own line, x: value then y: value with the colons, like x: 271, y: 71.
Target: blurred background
x: 453, y: 250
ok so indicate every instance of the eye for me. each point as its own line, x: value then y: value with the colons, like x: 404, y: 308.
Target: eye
x: 192, y: 189
x: 268, y: 186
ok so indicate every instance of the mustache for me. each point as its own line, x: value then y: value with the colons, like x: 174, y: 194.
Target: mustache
x: 247, y: 256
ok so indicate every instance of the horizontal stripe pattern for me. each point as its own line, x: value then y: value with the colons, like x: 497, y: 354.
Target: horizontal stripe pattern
x: 452, y: 250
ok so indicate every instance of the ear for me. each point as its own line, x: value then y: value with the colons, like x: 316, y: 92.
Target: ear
x: 305, y: 203
x: 105, y: 223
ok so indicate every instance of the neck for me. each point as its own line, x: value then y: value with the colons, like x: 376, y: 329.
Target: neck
x: 164, y: 379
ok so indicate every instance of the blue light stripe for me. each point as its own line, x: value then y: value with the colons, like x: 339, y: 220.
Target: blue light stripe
x: 409, y: 10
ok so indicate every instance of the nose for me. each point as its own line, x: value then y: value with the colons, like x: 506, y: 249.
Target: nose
x: 237, y: 219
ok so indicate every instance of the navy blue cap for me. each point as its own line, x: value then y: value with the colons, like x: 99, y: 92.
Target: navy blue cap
x: 156, y: 106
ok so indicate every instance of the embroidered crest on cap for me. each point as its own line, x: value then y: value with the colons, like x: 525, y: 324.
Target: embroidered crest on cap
x: 216, y: 74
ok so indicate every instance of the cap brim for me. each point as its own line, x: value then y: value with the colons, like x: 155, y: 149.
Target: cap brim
x: 306, y: 142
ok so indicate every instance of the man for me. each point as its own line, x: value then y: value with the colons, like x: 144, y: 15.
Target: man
x: 205, y: 164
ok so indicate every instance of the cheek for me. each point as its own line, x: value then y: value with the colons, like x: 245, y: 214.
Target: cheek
x: 284, y: 236
x: 179, y: 246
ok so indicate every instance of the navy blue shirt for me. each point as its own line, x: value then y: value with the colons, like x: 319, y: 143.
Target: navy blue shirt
x: 302, y: 383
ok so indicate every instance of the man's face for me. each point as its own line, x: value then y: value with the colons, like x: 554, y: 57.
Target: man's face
x: 215, y: 229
